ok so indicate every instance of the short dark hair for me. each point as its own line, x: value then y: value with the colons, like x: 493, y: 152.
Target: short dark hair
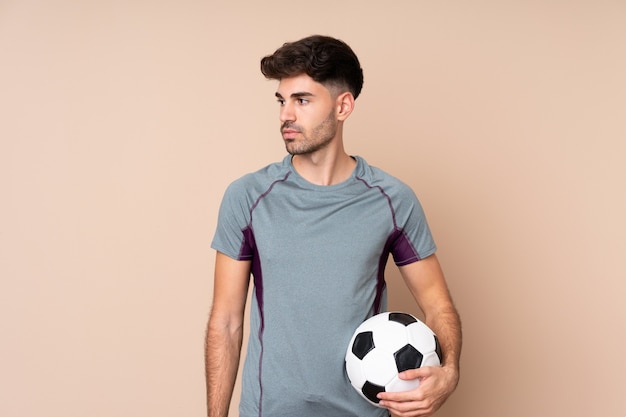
x: 327, y: 60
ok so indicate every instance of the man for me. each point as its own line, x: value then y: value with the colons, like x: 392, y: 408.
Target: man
x: 315, y: 231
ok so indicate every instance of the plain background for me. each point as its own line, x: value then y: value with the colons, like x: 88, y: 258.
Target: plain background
x: 122, y: 122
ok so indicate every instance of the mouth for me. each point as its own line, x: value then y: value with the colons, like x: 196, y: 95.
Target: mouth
x: 290, y: 133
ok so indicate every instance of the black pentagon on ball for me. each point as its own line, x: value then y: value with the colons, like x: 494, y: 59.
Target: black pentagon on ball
x: 371, y: 391
x: 438, y: 349
x: 408, y: 358
x: 402, y: 318
x: 363, y: 343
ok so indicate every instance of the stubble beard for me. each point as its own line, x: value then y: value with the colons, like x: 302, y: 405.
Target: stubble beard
x: 319, y: 138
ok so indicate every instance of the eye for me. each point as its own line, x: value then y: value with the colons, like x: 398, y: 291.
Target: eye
x: 280, y: 101
x: 303, y: 101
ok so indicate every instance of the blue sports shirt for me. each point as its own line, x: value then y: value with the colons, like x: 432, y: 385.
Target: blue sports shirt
x: 318, y: 256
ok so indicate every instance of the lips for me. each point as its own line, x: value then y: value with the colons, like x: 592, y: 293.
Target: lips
x: 290, y: 133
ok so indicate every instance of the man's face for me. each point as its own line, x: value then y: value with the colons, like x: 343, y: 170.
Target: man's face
x: 307, y: 114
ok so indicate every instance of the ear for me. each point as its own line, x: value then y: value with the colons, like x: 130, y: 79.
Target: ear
x: 344, y: 105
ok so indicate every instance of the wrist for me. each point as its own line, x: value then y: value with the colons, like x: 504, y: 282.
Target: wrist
x: 453, y: 373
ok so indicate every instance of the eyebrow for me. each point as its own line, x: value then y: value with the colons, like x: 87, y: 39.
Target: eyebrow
x: 295, y: 95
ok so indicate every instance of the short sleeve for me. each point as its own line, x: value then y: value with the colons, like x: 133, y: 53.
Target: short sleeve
x: 414, y: 240
x: 233, y: 219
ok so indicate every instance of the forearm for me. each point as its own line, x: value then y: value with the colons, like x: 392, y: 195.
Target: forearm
x: 446, y: 324
x: 222, y: 352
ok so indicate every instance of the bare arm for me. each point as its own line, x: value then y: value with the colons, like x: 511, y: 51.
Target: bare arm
x: 225, y: 332
x: 426, y: 282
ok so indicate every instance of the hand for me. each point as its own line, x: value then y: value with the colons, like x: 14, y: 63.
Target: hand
x: 436, y: 385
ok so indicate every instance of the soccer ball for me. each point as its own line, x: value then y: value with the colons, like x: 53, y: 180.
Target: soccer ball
x: 385, y: 345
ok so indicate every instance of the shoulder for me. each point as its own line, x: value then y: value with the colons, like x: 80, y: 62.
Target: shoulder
x: 256, y: 183
x: 376, y: 177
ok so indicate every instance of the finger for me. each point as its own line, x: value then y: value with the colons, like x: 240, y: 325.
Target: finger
x: 405, y: 409
x: 401, y: 396
x: 418, y: 373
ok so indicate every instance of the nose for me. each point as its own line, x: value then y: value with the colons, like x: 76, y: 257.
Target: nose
x: 287, y: 113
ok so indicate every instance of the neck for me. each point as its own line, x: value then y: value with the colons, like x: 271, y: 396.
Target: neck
x: 324, y: 167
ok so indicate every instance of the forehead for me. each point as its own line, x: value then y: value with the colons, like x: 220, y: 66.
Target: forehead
x: 301, y: 84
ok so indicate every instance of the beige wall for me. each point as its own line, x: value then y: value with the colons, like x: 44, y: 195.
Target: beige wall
x: 121, y: 123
